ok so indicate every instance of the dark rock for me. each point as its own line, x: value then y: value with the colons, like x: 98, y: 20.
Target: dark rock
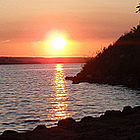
x: 10, y: 132
x: 130, y: 111
x: 127, y: 110
x: 40, y: 128
x: 66, y: 123
x: 70, y: 78
x: 87, y: 119
x: 113, y: 125
x: 119, y: 64
x: 136, y: 109
x: 113, y: 113
x: 73, y: 79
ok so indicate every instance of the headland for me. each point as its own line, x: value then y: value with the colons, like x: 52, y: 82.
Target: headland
x: 119, y: 64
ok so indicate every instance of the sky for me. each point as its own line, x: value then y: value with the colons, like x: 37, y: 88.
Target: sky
x: 28, y: 27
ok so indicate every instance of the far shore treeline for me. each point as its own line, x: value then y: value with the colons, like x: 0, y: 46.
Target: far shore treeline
x: 41, y: 60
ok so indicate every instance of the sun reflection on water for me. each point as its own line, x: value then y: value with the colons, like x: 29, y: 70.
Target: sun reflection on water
x: 59, y: 99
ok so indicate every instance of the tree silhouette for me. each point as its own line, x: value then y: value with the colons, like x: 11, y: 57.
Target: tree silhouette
x: 138, y: 8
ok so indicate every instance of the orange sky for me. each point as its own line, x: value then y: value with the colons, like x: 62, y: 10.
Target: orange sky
x: 88, y: 25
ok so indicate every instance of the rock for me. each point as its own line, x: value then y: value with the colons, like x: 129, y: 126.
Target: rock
x: 10, y: 132
x: 66, y: 123
x: 136, y: 109
x: 113, y: 125
x: 87, y: 119
x: 40, y: 128
x: 70, y: 78
x: 113, y: 113
x: 127, y: 110
x: 73, y: 79
x: 119, y: 64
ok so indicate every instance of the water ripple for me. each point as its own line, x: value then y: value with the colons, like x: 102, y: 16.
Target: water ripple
x: 38, y: 94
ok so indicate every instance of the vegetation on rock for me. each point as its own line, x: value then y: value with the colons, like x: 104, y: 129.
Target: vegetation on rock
x: 119, y: 64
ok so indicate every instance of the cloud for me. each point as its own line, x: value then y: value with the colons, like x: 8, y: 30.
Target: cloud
x: 5, y: 41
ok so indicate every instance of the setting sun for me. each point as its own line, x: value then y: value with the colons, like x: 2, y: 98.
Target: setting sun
x: 59, y: 43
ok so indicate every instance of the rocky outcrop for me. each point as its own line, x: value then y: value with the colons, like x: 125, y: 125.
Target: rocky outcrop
x: 119, y: 64
x: 113, y: 125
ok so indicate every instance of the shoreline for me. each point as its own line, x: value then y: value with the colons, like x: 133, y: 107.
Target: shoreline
x: 86, y: 78
x: 118, y: 64
x: 113, y: 125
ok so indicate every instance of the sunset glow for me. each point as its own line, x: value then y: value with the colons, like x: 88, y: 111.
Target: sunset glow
x: 62, y: 28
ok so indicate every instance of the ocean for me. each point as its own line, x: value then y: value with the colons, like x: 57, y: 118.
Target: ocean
x: 36, y: 94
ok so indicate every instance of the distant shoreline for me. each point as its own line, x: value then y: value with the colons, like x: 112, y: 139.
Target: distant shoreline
x: 41, y: 60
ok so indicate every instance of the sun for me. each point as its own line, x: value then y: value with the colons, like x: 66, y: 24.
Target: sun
x: 59, y: 43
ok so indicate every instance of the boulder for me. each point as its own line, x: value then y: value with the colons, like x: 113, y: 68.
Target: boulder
x: 66, y: 123
x: 10, y: 132
x: 40, y: 128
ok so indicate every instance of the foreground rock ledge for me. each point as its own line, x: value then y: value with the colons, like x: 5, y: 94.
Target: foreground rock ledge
x: 113, y: 125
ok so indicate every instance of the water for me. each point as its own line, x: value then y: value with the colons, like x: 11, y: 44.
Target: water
x: 38, y: 94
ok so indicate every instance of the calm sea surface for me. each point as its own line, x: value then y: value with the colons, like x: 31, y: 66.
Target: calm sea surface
x: 38, y: 94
